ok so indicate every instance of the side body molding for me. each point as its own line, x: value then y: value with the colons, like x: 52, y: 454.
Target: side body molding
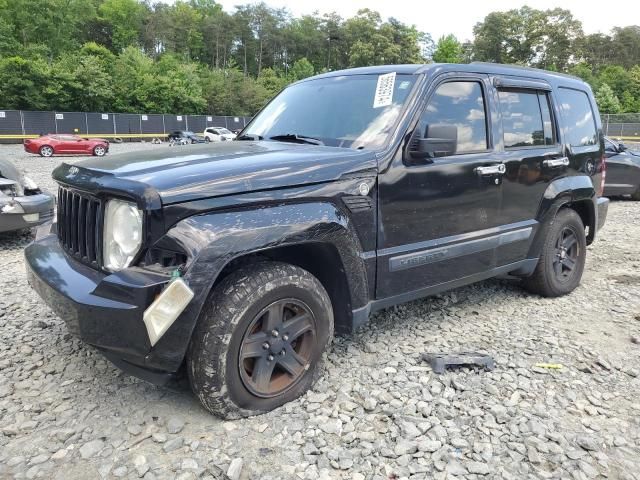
x: 212, y: 240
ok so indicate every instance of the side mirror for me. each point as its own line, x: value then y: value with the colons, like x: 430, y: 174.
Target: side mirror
x: 440, y: 141
x: 622, y: 147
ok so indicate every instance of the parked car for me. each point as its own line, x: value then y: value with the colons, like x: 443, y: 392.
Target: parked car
x: 623, y: 170
x: 218, y: 134
x: 49, y: 145
x: 22, y: 203
x: 242, y: 258
x: 185, y: 136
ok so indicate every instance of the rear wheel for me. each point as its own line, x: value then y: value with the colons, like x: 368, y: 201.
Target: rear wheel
x: 636, y: 196
x: 99, y: 151
x: 563, y: 256
x: 259, y: 339
x: 46, y: 151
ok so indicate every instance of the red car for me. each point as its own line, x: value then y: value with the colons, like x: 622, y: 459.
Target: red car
x: 48, y: 145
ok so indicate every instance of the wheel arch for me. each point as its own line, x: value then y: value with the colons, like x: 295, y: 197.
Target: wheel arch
x: 321, y: 259
x: 315, y: 236
x: 575, y: 192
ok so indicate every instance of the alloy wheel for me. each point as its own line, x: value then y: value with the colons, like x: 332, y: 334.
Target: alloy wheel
x: 277, y: 347
x: 566, y: 254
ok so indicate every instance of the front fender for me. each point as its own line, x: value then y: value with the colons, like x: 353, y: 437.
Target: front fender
x: 214, y: 239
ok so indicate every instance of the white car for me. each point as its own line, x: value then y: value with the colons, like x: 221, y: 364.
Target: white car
x: 218, y: 134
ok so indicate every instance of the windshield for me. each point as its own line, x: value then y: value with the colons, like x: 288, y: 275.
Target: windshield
x: 224, y: 131
x: 354, y: 111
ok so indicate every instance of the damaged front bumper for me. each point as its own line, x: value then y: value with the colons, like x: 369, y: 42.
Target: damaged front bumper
x: 26, y: 211
x: 105, y: 310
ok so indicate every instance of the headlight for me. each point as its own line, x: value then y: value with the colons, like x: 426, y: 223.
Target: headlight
x: 122, y: 234
x: 29, y: 184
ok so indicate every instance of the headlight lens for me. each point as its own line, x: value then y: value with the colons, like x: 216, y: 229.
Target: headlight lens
x: 122, y: 234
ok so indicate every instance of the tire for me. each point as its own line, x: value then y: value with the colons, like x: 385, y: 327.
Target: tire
x: 236, y: 318
x: 46, y: 151
x: 206, y: 140
x: 559, y: 273
x: 636, y: 196
x: 99, y: 151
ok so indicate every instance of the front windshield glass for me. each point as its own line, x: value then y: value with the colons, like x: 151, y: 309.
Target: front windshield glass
x: 224, y: 131
x: 353, y: 111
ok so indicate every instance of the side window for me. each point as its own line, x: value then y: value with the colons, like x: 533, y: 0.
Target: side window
x: 580, y: 124
x: 459, y: 104
x: 526, y: 118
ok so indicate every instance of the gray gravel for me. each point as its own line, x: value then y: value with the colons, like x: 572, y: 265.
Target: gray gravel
x: 377, y: 412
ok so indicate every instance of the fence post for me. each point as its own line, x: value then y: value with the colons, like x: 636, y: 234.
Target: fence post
x: 22, y: 122
x: 113, y: 118
x: 607, y: 127
x: 186, y: 122
x: 86, y: 123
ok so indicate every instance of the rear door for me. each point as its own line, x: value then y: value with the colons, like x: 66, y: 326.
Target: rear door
x: 533, y: 156
x: 439, y: 217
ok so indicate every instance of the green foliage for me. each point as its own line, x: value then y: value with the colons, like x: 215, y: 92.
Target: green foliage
x: 448, y: 50
x: 607, y: 100
x: 191, y: 56
x: 301, y: 69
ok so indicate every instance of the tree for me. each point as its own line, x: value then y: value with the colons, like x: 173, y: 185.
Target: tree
x: 124, y: 19
x: 607, y: 100
x: 448, y: 50
x: 301, y: 69
x: 528, y: 37
x: 23, y: 83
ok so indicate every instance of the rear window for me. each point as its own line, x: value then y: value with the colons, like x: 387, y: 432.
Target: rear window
x: 580, y: 124
x: 526, y: 118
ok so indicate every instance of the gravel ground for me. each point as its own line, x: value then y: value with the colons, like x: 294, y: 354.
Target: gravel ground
x: 377, y: 412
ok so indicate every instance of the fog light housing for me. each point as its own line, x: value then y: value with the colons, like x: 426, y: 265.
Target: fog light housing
x: 31, y: 217
x: 166, y: 309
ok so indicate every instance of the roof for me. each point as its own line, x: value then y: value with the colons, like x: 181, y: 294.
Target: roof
x: 475, y: 67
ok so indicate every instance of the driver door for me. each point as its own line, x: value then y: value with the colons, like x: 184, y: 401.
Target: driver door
x: 439, y: 216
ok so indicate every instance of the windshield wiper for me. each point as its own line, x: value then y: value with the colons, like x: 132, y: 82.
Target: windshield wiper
x: 295, y: 138
x: 249, y: 136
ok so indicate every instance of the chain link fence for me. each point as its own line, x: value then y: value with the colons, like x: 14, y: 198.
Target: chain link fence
x: 17, y: 125
x: 625, y: 126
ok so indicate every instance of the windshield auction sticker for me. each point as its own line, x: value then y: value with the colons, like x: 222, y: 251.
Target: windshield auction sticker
x: 384, y: 90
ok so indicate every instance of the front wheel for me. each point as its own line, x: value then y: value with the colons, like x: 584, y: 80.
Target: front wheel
x: 46, y: 151
x: 563, y: 256
x: 259, y: 339
x: 99, y: 151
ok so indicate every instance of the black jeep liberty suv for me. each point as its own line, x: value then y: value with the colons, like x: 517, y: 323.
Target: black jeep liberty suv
x: 349, y: 192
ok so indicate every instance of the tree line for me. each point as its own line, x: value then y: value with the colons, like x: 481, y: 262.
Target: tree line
x: 194, y: 57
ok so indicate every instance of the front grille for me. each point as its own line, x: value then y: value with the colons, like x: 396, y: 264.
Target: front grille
x: 80, y: 225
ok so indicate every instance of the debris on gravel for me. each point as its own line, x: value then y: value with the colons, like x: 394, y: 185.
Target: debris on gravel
x: 377, y: 412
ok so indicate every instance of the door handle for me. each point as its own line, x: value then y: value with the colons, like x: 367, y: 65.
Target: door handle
x: 491, y: 170
x: 556, y: 162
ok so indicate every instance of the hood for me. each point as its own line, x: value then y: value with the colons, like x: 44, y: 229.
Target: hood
x: 210, y: 170
x: 9, y: 171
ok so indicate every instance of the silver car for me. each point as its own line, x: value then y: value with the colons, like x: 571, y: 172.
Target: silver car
x: 22, y: 203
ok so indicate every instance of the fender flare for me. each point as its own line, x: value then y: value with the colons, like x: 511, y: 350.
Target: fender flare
x: 212, y: 240
x: 559, y: 193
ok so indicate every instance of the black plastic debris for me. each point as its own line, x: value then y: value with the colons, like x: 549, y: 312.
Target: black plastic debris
x: 440, y: 361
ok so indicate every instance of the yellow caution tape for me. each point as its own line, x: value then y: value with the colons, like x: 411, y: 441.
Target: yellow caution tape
x: 553, y: 366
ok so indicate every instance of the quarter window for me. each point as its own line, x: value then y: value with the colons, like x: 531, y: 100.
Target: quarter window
x: 578, y: 115
x: 459, y: 104
x: 526, y: 118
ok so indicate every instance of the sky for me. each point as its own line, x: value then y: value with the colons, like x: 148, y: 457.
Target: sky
x: 459, y: 16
